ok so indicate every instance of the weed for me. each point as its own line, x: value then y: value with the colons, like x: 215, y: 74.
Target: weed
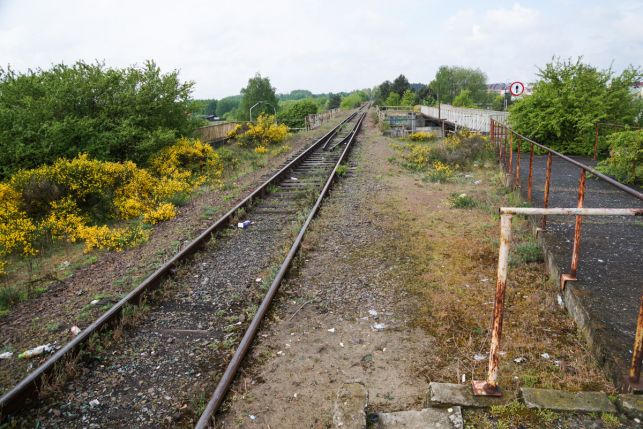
x: 527, y: 252
x: 342, y: 169
x: 53, y: 326
x: 610, y: 420
x: 10, y: 296
x: 209, y: 212
x: 528, y: 380
x: 462, y: 201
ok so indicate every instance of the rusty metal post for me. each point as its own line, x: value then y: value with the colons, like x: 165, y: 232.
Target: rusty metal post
x: 491, y: 130
x: 531, y: 171
x: 637, y: 350
x: 579, y: 222
x: 517, y: 180
x: 490, y: 386
x: 543, y: 224
x: 511, y: 152
x: 596, y: 141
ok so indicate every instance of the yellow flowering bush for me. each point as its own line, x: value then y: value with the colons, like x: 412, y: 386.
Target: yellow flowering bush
x: 261, y: 150
x: 73, y: 199
x: 17, y: 231
x: 234, y: 131
x: 440, y: 172
x: 422, y: 136
x: 418, y: 156
x: 264, y: 132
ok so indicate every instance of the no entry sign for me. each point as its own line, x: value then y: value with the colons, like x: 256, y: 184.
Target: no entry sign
x: 516, y: 88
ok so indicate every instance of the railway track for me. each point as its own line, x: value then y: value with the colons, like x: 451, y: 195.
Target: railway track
x: 216, y: 291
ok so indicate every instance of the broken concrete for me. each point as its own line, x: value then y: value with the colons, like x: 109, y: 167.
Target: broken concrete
x: 428, y: 418
x: 567, y: 401
x: 631, y: 405
x: 348, y: 409
x: 445, y: 394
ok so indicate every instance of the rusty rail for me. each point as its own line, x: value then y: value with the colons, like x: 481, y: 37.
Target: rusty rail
x: 489, y: 387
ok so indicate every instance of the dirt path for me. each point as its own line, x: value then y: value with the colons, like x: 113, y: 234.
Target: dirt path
x: 394, y: 290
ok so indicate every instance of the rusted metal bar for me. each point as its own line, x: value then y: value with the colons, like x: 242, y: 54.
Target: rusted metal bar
x: 511, y: 152
x: 531, y: 172
x: 596, y: 141
x: 543, y: 223
x: 490, y: 386
x: 531, y: 211
x: 517, y: 180
x: 637, y: 350
x: 579, y: 222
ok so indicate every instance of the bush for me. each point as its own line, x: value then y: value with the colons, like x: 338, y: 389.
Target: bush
x: 462, y: 201
x: 295, y: 115
x: 264, y: 132
x: 626, y: 157
x: 110, y: 114
x: 422, y: 136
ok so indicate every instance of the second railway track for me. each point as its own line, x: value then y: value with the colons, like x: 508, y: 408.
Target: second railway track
x: 162, y: 371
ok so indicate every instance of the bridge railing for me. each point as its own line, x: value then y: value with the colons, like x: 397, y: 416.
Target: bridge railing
x: 473, y: 119
x: 215, y: 132
x: 315, y: 120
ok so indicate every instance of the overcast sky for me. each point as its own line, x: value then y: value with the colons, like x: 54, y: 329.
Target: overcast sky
x: 321, y: 45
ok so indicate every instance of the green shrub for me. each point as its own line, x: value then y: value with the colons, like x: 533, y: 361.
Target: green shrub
x: 462, y: 201
x: 527, y: 252
x: 626, y: 157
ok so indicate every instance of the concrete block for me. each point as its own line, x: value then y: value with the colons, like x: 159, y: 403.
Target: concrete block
x: 567, y: 401
x: 631, y: 405
x: 443, y: 394
x: 428, y: 418
x: 349, y: 407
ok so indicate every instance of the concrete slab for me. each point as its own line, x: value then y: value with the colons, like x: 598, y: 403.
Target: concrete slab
x: 349, y: 407
x: 567, y: 401
x: 428, y: 418
x: 631, y: 405
x: 444, y: 394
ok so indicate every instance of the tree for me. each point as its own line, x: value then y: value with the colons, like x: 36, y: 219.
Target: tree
x: 352, y: 100
x: 400, y: 84
x: 382, y: 92
x: 258, y: 90
x: 463, y: 99
x: 498, y: 102
x: 393, y: 99
x: 408, y: 98
x: 295, y: 115
x: 450, y: 81
x: 296, y: 94
x: 334, y: 101
x: 568, y: 100
x: 227, y: 104
x: 110, y: 114
x: 211, y: 107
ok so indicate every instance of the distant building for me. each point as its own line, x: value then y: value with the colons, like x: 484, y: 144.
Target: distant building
x: 503, y: 88
x: 637, y: 88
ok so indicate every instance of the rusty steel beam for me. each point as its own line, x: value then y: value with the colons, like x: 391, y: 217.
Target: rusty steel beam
x: 575, y: 211
x: 490, y: 386
x: 543, y: 223
x: 579, y: 223
x: 531, y: 172
x: 511, y: 153
x: 517, y: 180
x: 637, y: 350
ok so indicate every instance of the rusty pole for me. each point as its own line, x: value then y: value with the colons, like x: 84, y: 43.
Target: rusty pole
x: 490, y: 387
x: 596, y: 141
x: 579, y: 222
x: 547, y: 183
x: 517, y: 181
x: 637, y: 351
x: 511, y: 152
x: 531, y: 171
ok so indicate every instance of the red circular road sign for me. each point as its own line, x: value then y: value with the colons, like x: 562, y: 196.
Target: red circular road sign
x: 516, y: 88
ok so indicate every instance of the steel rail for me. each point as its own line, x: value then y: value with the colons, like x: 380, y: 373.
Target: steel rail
x: 233, y: 366
x: 15, y: 398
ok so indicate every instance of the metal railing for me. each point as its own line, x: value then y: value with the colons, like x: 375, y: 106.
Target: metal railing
x: 489, y: 387
x: 504, y: 137
x: 316, y: 119
x: 473, y: 119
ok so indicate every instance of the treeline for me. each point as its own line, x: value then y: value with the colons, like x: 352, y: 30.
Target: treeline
x: 459, y: 86
x: 110, y: 114
x: 290, y: 109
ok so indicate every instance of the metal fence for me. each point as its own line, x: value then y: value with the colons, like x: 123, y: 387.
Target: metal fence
x: 473, y: 119
x: 215, y: 132
x: 315, y: 120
x: 511, y: 146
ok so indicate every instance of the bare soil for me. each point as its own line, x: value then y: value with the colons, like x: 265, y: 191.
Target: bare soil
x: 394, y: 290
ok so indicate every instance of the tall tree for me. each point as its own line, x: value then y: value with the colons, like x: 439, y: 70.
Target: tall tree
x: 259, y: 91
x: 211, y: 107
x: 400, y: 84
x: 450, y: 81
x: 334, y: 101
x: 408, y: 98
x: 382, y: 92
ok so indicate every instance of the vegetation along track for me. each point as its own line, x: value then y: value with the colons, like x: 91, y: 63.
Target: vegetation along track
x: 163, y: 367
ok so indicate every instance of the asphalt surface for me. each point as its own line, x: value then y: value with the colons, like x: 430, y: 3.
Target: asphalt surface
x: 610, y: 271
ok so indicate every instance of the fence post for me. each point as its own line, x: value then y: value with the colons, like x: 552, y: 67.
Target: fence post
x: 543, y: 224
x: 531, y: 170
x: 517, y: 180
x: 579, y: 222
x: 490, y: 386
x: 637, y: 350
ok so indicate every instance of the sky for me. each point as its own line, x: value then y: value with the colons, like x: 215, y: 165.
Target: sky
x: 321, y: 45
